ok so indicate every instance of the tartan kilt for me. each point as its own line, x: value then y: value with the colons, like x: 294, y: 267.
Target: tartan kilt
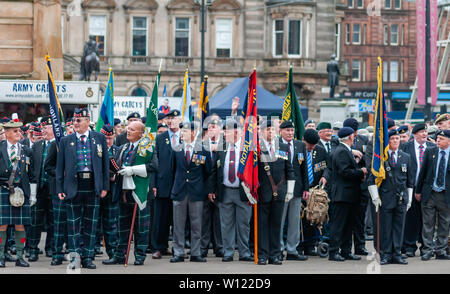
x: 10, y: 215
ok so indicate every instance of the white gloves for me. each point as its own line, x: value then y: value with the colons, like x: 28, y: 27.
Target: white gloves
x: 33, y: 190
x: 290, y: 190
x: 126, y: 171
x: 410, y: 194
x: 139, y: 170
x: 128, y: 183
x: 373, y: 190
x: 249, y: 195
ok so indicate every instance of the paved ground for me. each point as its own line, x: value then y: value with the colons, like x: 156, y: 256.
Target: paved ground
x: 214, y: 265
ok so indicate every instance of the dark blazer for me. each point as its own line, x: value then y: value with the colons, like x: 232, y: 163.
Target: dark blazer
x: 333, y: 144
x: 121, y: 139
x: 398, y: 179
x: 300, y: 168
x: 346, y: 176
x: 26, y: 142
x: 322, y: 160
x: 113, y: 185
x: 151, y: 167
x: 409, y: 148
x: 280, y: 169
x: 163, y: 178
x: 215, y: 180
x: 24, y: 168
x: 37, y: 150
x: 190, y: 179
x: 428, y: 173
x: 66, y: 165
x: 50, y: 166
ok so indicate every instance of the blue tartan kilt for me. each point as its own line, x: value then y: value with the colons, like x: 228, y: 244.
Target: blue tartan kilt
x: 10, y: 215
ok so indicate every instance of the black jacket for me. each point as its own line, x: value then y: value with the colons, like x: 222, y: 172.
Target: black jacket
x: 50, y: 166
x: 300, y: 167
x: 164, y: 176
x: 321, y: 162
x: 121, y: 139
x: 409, y: 148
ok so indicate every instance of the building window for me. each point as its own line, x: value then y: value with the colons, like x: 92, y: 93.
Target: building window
x: 401, y: 70
x: 387, y: 4
x: 97, y: 29
x: 139, y: 36
x: 356, y: 70
x: 364, y: 32
x: 347, y: 33
x: 386, y: 35
x: 224, y: 37
x: 385, y: 71
x: 356, y: 33
x: 360, y: 3
x: 402, y: 36
x: 294, y: 38
x: 337, y: 40
x: 394, y: 34
x: 393, y: 73
x: 140, y: 92
x: 397, y: 4
x: 182, y: 37
x: 350, y: 3
x: 278, y: 37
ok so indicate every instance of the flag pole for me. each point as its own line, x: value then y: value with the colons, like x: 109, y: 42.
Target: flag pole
x: 131, y: 234
x: 255, y: 213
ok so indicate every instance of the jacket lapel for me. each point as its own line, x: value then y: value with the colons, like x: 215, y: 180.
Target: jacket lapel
x: 412, y: 151
x: 4, y: 152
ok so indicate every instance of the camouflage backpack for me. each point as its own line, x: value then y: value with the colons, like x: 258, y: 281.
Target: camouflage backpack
x: 317, y: 207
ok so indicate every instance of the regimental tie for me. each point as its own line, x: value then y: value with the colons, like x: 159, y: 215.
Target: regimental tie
x: 174, y: 140
x: 440, y: 176
x: 393, y: 159
x: 13, y: 154
x: 127, y: 160
x: 310, y: 169
x: 421, y: 155
x: 328, y: 147
x: 290, y: 153
x: 271, y: 151
x: 231, y: 167
x: 188, y: 154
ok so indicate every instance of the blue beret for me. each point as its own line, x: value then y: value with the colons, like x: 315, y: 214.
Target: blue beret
x: 393, y: 133
x: 444, y: 133
x: 402, y: 129
x: 161, y: 115
x: 116, y: 121
x: 419, y: 127
x: 390, y: 123
x: 107, y: 130
x: 286, y: 125
x: 311, y: 136
x: 351, y: 122
x: 163, y: 125
x: 345, y: 131
x: 133, y: 115
x: 173, y: 112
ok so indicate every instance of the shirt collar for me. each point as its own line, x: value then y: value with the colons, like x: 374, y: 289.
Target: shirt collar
x: 286, y: 142
x: 135, y: 143
x: 390, y: 152
x: 86, y: 134
x: 447, y: 151
x: 417, y: 145
x: 9, y: 145
x: 173, y: 133
x: 237, y: 145
x: 324, y: 142
x: 348, y: 147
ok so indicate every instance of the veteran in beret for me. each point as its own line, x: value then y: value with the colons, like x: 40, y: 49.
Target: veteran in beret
x: 405, y: 136
x: 122, y: 138
x: 443, y: 121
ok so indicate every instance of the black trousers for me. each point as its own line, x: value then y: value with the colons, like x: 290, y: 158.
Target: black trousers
x: 392, y: 221
x: 413, y: 228
x: 358, y: 224
x: 211, y: 230
x: 269, y: 229
x: 341, y: 227
x: 162, y: 219
x: 41, y: 212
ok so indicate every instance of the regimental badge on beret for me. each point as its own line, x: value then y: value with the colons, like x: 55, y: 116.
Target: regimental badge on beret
x: 419, y: 127
x: 107, y: 130
x: 442, y: 117
x: 444, y: 133
x: 83, y: 112
x: 402, y: 129
x: 45, y: 121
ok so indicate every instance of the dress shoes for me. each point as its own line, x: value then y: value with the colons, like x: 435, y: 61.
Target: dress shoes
x: 56, y: 261
x: 87, y: 263
x: 204, y: 254
x: 9, y: 257
x: 368, y: 237
x: 2, y: 262
x: 246, y: 258
x: 113, y: 260
x: 361, y: 251
x: 310, y: 251
x: 139, y: 262
x: 443, y: 256
x: 219, y: 254
x: 300, y: 257
x: 33, y: 257
x: 336, y: 257
x: 197, y: 259
x: 410, y: 254
x: 48, y: 253
x: 167, y: 252
x: 177, y: 259
x: 22, y: 263
x: 398, y: 260
x: 427, y: 256
x: 98, y: 251
x: 351, y: 257
x: 148, y: 251
x: 156, y: 255
x: 227, y: 258
x: 385, y: 260
x: 275, y: 261
x: 262, y: 261
x: 13, y: 250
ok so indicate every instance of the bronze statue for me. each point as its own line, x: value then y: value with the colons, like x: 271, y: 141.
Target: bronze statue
x: 90, y: 62
x: 333, y: 74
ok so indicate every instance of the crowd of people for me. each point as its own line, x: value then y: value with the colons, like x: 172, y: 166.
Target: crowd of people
x: 77, y: 191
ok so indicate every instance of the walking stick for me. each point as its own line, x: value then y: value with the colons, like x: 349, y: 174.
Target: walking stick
x: 131, y: 234
x: 255, y: 223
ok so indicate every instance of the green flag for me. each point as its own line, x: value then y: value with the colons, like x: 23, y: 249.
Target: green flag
x: 145, y: 149
x: 291, y: 109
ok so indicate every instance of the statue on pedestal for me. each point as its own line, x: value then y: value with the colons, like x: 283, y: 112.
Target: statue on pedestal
x: 333, y: 74
x: 90, y: 62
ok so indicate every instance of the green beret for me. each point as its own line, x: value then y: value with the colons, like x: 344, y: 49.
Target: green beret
x: 323, y: 125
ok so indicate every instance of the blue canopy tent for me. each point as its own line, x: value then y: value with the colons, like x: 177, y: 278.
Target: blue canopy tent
x: 268, y: 103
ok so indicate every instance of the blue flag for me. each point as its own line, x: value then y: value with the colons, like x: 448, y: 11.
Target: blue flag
x: 56, y: 112
x: 107, y: 110
x: 165, y: 91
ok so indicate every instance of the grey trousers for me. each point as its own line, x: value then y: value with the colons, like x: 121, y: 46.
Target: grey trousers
x: 292, y: 211
x: 235, y: 217
x: 435, y: 206
x: 211, y: 229
x: 180, y: 209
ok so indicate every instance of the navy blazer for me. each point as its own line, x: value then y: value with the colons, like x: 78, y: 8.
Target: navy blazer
x: 66, y: 165
x: 163, y: 178
x: 190, y: 179
x: 321, y: 162
x: 409, y: 148
x: 300, y: 166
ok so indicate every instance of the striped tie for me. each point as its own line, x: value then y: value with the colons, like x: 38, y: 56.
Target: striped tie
x: 310, y: 169
x: 421, y: 153
x: 13, y: 153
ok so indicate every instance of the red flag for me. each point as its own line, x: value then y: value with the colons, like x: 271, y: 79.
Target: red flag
x: 248, y: 161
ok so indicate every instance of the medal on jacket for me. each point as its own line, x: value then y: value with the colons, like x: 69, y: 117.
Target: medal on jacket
x: 364, y: 148
x: 202, y: 159
x: 300, y: 158
x: 388, y: 169
x: 404, y: 168
x: 99, y: 150
x: 323, y: 165
x: 282, y: 155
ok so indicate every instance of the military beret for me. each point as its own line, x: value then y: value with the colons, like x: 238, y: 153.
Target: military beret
x: 402, y: 129
x: 286, y: 125
x: 133, y: 115
x: 23, y: 128
x: 311, y: 136
x: 161, y: 115
x: 81, y: 112
x: 34, y: 124
x: 116, y: 121
x: 107, y: 130
x: 323, y: 126
x: 390, y: 123
x: 173, y: 112
x: 232, y: 124
x: 345, y: 131
x: 444, y: 133
x: 213, y: 122
x: 162, y: 125
x: 69, y: 122
x: 419, y: 127
x: 266, y: 124
x: 351, y: 122
x: 309, y: 121
x: 432, y: 130
x: 4, y: 120
x: 338, y: 125
x: 393, y: 133
x: 46, y: 120
x: 442, y: 117
x: 15, y: 123
x: 189, y: 125
x: 37, y: 132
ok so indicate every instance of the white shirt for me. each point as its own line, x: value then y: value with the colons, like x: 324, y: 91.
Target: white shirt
x: 268, y: 147
x: 416, y: 148
x: 189, y: 147
x: 348, y: 147
x: 86, y: 134
x: 226, y: 165
x: 291, y: 147
x: 210, y: 146
x: 16, y: 146
x: 325, y: 144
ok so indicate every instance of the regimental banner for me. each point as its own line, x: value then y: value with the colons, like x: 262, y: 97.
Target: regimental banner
x: 126, y: 105
x: 420, y: 41
x: 24, y: 91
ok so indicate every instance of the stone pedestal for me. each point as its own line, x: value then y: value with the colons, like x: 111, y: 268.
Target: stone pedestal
x: 333, y: 110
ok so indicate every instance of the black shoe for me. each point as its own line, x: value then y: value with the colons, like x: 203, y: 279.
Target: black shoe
x: 204, y: 254
x: 296, y: 257
x: 2, y: 262
x: 275, y: 261
x: 262, y: 261
x: 177, y: 259
x: 443, y: 256
x: 361, y: 251
x: 310, y: 251
x: 427, y: 256
x: 219, y: 254
x: 27, y: 253
x: 9, y: 257
x: 187, y: 244
x: 139, y: 262
x: 399, y: 260
x: 13, y: 250
x: 336, y: 257
x: 22, y: 263
x: 247, y: 258
x: 48, y: 253
x: 56, y: 261
x: 351, y: 257
x: 87, y: 263
x: 41, y: 252
x: 113, y: 260
x: 227, y: 258
x: 197, y: 259
x: 368, y: 237
x: 33, y: 257
x: 98, y: 251
x: 410, y: 254
x: 385, y: 260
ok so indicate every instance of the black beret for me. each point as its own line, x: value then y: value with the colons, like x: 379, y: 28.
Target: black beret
x: 286, y: 124
x: 393, y: 133
x: 161, y: 115
x: 309, y: 121
x: 37, y: 132
x: 323, y: 125
x: 232, y: 124
x: 351, y: 122
x: 24, y: 128
x: 107, y: 130
x: 163, y: 125
x: 81, y: 112
x: 444, y: 133
x: 311, y: 136
x: 133, y: 115
x: 4, y: 120
x: 173, y: 112
x: 419, y: 127
x: 46, y: 120
x: 116, y: 121
x: 189, y: 125
x: 390, y: 123
x: 266, y: 124
x: 345, y: 131
x: 402, y: 129
x: 34, y: 125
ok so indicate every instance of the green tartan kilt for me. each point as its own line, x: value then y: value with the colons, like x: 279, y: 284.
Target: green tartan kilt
x: 10, y: 215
